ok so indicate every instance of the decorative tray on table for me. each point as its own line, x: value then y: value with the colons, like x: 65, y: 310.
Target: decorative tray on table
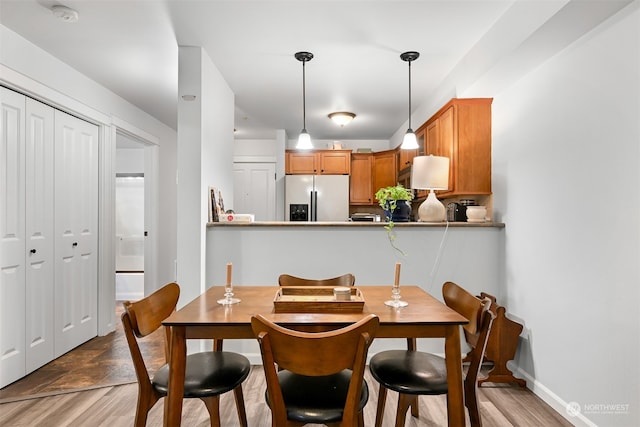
x: 316, y: 299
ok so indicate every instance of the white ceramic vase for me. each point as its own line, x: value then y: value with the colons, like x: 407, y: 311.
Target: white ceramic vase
x: 476, y: 213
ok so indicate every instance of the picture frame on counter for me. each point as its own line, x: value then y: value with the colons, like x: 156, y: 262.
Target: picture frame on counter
x: 216, y: 205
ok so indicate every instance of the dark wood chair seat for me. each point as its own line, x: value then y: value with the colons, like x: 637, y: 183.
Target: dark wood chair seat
x: 207, y: 374
x: 316, y: 405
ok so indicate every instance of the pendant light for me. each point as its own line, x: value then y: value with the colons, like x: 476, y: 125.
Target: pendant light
x: 409, y: 142
x: 304, y: 140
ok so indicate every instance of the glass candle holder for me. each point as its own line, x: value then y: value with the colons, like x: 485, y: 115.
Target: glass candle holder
x: 395, y: 300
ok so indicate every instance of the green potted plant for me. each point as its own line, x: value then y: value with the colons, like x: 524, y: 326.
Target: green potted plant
x: 396, y: 203
x: 394, y: 200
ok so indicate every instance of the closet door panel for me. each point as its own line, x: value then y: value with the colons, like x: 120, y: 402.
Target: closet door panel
x: 12, y: 242
x: 76, y: 222
x: 39, y: 235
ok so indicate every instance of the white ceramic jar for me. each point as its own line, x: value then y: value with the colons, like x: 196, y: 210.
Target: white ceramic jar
x: 476, y: 213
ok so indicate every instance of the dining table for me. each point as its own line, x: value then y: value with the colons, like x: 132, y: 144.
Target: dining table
x: 204, y: 318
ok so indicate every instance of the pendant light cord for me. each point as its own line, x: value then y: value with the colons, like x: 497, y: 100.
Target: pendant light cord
x: 304, y: 97
x: 409, y: 94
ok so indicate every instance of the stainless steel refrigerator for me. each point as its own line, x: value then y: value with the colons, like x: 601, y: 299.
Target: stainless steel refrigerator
x: 317, y: 197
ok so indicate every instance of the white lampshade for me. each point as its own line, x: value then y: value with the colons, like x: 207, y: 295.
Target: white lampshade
x: 430, y: 173
x: 304, y: 141
x: 410, y: 142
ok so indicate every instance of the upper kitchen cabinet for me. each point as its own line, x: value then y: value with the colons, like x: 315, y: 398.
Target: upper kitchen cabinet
x: 461, y: 131
x: 318, y: 162
x: 385, y: 172
x: 361, y: 184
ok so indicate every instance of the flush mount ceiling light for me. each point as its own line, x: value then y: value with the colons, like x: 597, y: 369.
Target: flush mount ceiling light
x: 64, y: 13
x: 409, y: 142
x: 304, y: 140
x: 342, y: 118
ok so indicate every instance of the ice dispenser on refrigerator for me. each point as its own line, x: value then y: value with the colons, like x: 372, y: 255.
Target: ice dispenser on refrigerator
x: 317, y: 197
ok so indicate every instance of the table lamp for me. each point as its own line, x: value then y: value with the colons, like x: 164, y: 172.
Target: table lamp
x: 430, y: 173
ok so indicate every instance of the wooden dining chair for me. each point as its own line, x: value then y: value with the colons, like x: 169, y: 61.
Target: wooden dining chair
x: 321, y: 375
x: 344, y: 280
x: 413, y: 373
x: 208, y: 374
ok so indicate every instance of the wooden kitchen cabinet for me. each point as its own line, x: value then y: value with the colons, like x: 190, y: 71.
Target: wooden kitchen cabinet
x: 405, y: 158
x: 461, y: 131
x: 318, y: 162
x: 361, y: 183
x: 385, y: 172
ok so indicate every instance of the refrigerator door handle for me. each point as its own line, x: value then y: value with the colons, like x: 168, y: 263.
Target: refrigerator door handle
x: 314, y: 205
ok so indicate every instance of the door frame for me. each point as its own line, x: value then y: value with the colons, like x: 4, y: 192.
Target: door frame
x: 151, y: 159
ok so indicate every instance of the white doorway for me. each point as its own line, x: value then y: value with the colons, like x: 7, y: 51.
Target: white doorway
x: 129, y: 218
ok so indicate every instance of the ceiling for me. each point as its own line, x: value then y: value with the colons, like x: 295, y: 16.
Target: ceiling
x: 131, y: 48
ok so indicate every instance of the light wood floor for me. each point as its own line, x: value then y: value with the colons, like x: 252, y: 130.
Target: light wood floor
x: 49, y: 397
x: 115, y: 406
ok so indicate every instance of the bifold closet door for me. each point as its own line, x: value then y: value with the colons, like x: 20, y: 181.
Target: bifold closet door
x: 39, y: 304
x: 12, y: 240
x: 76, y: 223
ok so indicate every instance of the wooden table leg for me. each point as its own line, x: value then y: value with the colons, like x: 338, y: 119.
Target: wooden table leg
x: 455, y: 395
x: 177, y: 366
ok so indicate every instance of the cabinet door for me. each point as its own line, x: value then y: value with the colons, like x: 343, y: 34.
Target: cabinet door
x: 406, y: 158
x: 446, y: 146
x: 301, y: 163
x: 335, y: 163
x: 432, y: 136
x: 360, y: 186
x: 384, y: 169
x: 254, y: 190
x: 12, y: 237
x: 39, y: 235
x: 76, y: 221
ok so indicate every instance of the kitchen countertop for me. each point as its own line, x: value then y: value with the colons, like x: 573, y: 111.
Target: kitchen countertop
x: 352, y: 224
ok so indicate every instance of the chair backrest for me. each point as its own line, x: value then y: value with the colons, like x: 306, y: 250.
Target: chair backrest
x: 142, y: 317
x: 344, y: 280
x: 477, y: 330
x: 314, y: 354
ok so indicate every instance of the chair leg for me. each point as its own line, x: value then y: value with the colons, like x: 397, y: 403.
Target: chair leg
x: 382, y: 398
x: 415, y: 412
x: 242, y: 414
x: 471, y: 402
x: 213, y: 407
x: 147, y: 397
x: 404, y: 401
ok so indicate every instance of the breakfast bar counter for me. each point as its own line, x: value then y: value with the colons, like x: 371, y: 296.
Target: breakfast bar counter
x: 351, y: 224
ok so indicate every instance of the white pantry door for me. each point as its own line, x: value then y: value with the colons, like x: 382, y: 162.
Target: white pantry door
x: 254, y: 190
x: 76, y: 223
x: 12, y: 244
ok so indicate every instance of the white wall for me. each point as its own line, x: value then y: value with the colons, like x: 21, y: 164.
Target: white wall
x: 566, y: 173
x: 205, y: 158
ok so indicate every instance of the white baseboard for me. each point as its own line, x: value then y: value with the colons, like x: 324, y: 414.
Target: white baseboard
x: 550, y: 398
